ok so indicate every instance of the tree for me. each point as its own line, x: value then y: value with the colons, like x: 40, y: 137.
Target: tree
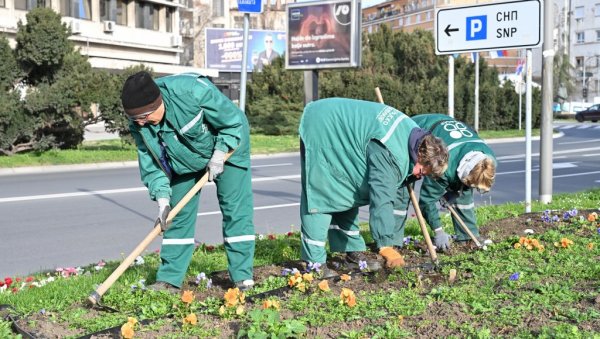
x: 109, y: 102
x: 48, y: 96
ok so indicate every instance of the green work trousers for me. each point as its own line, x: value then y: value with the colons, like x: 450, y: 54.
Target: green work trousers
x: 234, y: 192
x: 464, y: 207
x: 341, y: 228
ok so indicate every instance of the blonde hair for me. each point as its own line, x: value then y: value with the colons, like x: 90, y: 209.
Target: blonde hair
x: 482, y: 175
x: 433, y: 154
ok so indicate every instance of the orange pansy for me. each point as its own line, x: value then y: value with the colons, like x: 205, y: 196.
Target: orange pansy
x: 187, y: 297
x: 127, y: 331
x: 345, y: 277
x: 190, y: 319
x: 324, y: 286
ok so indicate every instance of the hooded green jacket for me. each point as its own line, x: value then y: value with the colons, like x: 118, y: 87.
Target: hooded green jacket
x: 460, y: 140
x: 198, y: 119
x: 335, y: 133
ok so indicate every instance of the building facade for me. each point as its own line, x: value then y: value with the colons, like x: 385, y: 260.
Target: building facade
x: 583, y: 20
x: 115, y: 34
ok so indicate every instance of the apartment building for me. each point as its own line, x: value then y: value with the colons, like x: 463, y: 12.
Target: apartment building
x: 584, y: 48
x: 116, y: 34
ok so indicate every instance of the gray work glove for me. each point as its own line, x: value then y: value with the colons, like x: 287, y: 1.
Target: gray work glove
x: 163, y: 212
x: 441, y: 240
x: 215, y: 165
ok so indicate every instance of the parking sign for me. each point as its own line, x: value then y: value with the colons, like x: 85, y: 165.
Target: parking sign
x: 506, y: 25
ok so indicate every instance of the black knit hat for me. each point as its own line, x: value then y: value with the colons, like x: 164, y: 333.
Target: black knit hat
x: 140, y: 94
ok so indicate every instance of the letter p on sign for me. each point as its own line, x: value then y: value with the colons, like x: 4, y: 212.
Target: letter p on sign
x: 477, y: 27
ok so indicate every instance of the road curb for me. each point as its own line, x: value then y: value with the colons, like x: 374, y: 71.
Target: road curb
x: 129, y: 164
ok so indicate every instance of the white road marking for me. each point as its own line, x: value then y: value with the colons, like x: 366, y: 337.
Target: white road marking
x: 567, y: 126
x: 255, y: 208
x: 579, y: 150
x: 119, y: 191
x: 591, y: 155
x: 578, y: 142
x: 562, y: 165
x: 575, y: 174
x: 273, y: 165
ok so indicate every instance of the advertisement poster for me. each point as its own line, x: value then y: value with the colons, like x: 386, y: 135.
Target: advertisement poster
x: 323, y: 35
x: 224, y: 48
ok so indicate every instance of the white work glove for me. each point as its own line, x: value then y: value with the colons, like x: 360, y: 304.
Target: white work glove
x: 163, y: 212
x: 215, y: 165
x: 441, y: 240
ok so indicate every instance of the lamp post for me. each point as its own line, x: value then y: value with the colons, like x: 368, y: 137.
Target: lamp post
x: 584, y: 84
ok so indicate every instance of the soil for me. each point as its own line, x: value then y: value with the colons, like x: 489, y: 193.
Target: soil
x: 429, y: 324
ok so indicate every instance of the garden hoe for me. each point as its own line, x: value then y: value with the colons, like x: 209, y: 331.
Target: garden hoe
x: 95, y: 296
x: 415, y: 203
x: 464, y: 227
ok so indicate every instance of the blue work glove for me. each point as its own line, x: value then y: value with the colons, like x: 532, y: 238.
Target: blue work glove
x: 441, y: 240
x: 163, y: 212
x: 216, y: 164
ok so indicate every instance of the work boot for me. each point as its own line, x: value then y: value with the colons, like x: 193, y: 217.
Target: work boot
x: 354, y: 259
x: 161, y: 286
x: 244, y: 285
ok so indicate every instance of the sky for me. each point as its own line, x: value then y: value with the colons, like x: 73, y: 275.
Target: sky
x: 369, y: 3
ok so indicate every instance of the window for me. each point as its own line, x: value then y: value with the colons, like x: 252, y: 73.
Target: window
x: 370, y: 29
x: 218, y: 8
x: 428, y: 15
x: 418, y: 18
x: 578, y: 62
x: 579, y: 11
x: 400, y: 22
x: 580, y: 37
x: 597, y: 9
x: 81, y: 9
x: 2, y: 3
x: 407, y: 20
x: 113, y: 10
x: 25, y: 5
x: 146, y: 15
x: 169, y: 13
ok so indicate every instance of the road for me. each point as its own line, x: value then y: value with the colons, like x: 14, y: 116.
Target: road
x: 77, y: 218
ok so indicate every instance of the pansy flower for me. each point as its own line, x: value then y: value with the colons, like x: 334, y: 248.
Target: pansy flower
x: 347, y: 297
x: 514, y: 277
x: 190, y: 319
x: 324, y: 286
x: 187, y: 297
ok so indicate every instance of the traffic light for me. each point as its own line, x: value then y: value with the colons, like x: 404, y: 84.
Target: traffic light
x: 585, y: 92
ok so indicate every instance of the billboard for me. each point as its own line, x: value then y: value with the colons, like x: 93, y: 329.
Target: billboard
x: 223, y: 48
x: 323, y: 34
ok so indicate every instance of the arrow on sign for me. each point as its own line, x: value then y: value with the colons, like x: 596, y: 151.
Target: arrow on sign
x: 448, y: 30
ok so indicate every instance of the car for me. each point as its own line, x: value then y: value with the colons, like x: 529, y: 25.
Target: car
x: 591, y: 113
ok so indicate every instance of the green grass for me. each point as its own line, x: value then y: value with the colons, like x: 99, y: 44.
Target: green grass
x: 550, y: 282
x: 116, y: 151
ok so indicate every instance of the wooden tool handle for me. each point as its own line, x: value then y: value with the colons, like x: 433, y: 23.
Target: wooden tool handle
x: 413, y: 198
x: 462, y: 224
x: 99, y: 292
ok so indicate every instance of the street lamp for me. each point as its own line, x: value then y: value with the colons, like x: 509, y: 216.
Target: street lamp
x: 584, y: 84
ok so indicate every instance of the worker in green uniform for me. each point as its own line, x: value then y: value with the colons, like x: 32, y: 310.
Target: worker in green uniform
x: 183, y: 127
x: 471, y: 165
x: 356, y: 153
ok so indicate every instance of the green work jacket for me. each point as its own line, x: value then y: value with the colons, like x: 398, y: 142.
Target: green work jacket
x: 460, y: 140
x: 198, y: 119
x: 335, y: 133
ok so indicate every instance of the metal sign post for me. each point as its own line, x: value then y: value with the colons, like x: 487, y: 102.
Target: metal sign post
x: 247, y: 6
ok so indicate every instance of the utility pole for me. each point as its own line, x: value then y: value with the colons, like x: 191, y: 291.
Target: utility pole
x: 545, y: 190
